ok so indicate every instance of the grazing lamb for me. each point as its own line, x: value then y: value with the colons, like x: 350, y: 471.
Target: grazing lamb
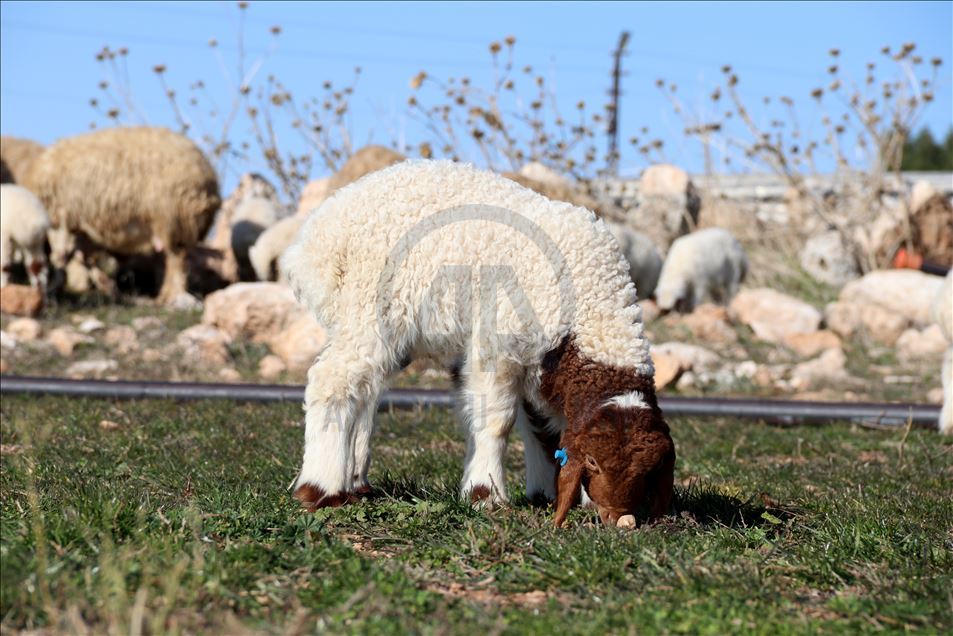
x: 252, y: 217
x: 264, y: 254
x: 130, y: 191
x: 645, y: 264
x: 411, y: 261
x: 23, y: 227
x: 705, y: 265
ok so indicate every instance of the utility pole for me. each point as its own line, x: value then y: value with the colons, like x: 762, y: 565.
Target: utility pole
x: 612, y: 164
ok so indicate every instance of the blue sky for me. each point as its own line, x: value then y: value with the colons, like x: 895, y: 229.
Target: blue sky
x: 48, y: 70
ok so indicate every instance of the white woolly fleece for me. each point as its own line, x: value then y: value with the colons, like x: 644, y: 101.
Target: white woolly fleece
x: 23, y: 226
x: 706, y: 265
x: 383, y: 258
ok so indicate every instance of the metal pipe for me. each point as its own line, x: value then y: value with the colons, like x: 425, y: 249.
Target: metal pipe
x: 777, y: 411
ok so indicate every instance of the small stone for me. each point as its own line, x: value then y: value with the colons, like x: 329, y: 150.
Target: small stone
x: 935, y: 395
x: 205, y: 344
x: 626, y: 521
x: 91, y: 325
x: 829, y: 366
x: 916, y: 344
x: 65, y: 340
x: 4, y: 366
x: 21, y: 300
x: 230, y: 374
x: 91, y: 368
x: 667, y: 369
x: 690, y: 357
x: 774, y: 316
x: 650, y: 310
x: 109, y: 425
x: 122, y: 339
x: 710, y: 324
x: 7, y: 341
x: 147, y: 323
x: 271, y: 366
x: 25, y: 329
x: 808, y: 345
x: 185, y: 301
x: 152, y: 355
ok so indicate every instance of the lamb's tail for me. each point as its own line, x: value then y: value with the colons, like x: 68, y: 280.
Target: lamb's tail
x: 315, y: 264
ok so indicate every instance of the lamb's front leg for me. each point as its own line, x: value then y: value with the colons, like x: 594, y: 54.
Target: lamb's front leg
x: 489, y: 403
x: 364, y: 430
x: 540, y: 442
x: 341, y: 388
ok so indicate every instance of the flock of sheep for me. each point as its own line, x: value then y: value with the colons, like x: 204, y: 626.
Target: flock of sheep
x: 149, y: 192
x: 363, y: 253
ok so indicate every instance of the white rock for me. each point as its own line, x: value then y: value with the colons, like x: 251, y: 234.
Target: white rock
x: 7, y: 341
x: 65, y: 340
x: 91, y: 368
x: 91, y: 325
x: 773, y: 316
x: 185, y: 301
x: 268, y: 313
x: 147, y: 323
x: 827, y: 259
x: 828, y: 367
x: 690, y: 357
x: 25, y: 329
x: 848, y: 318
x: 229, y: 374
x: 122, y: 339
x: 271, y: 366
x: 907, y: 293
x: 916, y: 344
x: 204, y: 343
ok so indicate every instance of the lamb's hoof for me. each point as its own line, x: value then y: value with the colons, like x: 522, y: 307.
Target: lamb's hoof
x: 539, y: 500
x: 481, y: 495
x: 365, y: 491
x: 312, y: 497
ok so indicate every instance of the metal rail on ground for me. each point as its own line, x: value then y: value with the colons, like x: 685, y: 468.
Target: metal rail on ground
x: 890, y: 415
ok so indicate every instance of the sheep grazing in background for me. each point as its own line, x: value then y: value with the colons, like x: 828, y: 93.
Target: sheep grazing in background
x: 252, y: 217
x: 943, y: 316
x: 16, y: 155
x: 363, y: 162
x: 131, y: 191
x: 266, y: 251
x: 23, y: 227
x: 708, y: 265
x: 645, y: 263
x: 441, y: 259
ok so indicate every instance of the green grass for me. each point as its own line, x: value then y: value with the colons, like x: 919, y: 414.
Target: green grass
x: 179, y: 521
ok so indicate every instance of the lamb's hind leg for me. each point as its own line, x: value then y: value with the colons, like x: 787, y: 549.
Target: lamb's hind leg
x: 364, y: 430
x: 342, y: 386
x: 489, y: 403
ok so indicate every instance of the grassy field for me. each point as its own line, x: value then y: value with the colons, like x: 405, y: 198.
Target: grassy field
x: 156, y: 517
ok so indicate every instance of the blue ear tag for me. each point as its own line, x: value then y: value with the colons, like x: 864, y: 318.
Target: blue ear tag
x: 562, y: 456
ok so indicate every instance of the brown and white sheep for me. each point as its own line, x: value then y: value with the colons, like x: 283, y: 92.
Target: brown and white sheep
x: 131, y: 191
x: 551, y: 340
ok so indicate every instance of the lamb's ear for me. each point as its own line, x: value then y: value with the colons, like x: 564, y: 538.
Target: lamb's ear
x: 567, y: 490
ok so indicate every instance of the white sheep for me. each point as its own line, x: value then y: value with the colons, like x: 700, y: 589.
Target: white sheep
x: 942, y: 311
x: 264, y: 254
x: 645, y: 263
x: 251, y: 218
x: 706, y: 265
x: 23, y: 227
x: 438, y: 258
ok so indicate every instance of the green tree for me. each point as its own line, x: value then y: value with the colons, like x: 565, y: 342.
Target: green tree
x: 922, y: 152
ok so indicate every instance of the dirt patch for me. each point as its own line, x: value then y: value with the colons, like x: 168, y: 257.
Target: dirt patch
x: 488, y: 596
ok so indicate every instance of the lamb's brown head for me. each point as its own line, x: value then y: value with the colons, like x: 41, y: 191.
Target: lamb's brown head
x: 623, y: 456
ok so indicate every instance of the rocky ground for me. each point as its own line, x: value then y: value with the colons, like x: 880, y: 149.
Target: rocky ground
x: 872, y: 340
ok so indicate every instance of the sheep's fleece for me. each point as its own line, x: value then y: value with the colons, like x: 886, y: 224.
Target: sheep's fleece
x: 439, y: 258
x: 706, y: 265
x: 339, y: 262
